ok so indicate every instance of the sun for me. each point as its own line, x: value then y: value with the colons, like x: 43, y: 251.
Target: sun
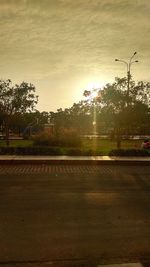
x: 94, y: 93
x: 93, y: 89
x: 93, y: 86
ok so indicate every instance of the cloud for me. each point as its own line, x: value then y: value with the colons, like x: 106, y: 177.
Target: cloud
x: 63, y: 38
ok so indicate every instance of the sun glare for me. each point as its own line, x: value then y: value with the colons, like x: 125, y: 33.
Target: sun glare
x: 94, y: 93
x: 93, y: 85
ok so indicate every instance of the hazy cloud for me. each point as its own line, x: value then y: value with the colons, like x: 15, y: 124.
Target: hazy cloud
x: 51, y: 42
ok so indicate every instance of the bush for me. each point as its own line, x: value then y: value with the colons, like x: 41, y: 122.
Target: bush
x: 69, y: 137
x: 47, y: 150
x: 65, y: 137
x: 129, y: 152
x: 74, y: 152
x: 79, y: 152
x: 31, y: 150
x: 44, y: 139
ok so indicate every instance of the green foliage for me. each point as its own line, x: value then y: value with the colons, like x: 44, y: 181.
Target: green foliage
x: 14, y: 101
x: 77, y: 117
x: 68, y: 137
x: 54, y: 151
x: 17, y: 98
x: 65, y: 138
x: 44, y: 139
x: 114, y: 111
x: 122, y: 114
x: 17, y: 143
x: 88, y: 148
x: 130, y: 152
x: 83, y: 152
x: 38, y: 150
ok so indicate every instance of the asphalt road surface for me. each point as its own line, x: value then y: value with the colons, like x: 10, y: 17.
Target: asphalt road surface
x: 92, y: 214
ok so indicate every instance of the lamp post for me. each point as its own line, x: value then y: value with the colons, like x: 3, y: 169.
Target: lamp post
x: 128, y: 64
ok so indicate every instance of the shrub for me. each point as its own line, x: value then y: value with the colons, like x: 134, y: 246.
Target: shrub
x: 37, y: 150
x: 44, y: 139
x: 79, y: 152
x: 129, y: 152
x: 65, y: 137
x: 46, y: 150
x: 74, y: 152
x: 69, y: 137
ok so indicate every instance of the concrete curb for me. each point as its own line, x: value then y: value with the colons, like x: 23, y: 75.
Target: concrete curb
x: 68, y: 160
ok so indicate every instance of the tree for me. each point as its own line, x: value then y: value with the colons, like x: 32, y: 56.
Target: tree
x: 15, y: 100
x: 124, y: 115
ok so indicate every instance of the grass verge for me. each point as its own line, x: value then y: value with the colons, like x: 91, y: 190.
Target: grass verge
x: 89, y: 147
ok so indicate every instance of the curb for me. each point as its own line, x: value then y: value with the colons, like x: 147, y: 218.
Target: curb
x: 76, y: 161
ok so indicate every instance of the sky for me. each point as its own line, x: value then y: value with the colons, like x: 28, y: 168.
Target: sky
x: 65, y: 47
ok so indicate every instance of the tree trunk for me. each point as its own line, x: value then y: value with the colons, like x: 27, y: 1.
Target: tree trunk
x: 118, y: 137
x: 7, y: 132
x: 118, y: 142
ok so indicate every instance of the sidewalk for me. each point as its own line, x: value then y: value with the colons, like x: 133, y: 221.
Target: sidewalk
x: 98, y: 160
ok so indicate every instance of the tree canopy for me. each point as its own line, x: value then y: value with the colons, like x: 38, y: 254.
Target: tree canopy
x: 15, y: 99
x: 108, y: 109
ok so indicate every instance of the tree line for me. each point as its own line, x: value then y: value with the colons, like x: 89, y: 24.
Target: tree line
x: 107, y: 110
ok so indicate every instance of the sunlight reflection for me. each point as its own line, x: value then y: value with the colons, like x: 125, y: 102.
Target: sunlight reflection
x: 94, y: 95
x: 101, y: 198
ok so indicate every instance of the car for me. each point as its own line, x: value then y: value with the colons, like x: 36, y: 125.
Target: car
x: 146, y: 144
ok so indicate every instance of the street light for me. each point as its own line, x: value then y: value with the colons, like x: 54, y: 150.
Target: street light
x: 128, y: 64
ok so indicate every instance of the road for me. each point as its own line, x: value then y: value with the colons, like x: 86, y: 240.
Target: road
x: 74, y: 213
